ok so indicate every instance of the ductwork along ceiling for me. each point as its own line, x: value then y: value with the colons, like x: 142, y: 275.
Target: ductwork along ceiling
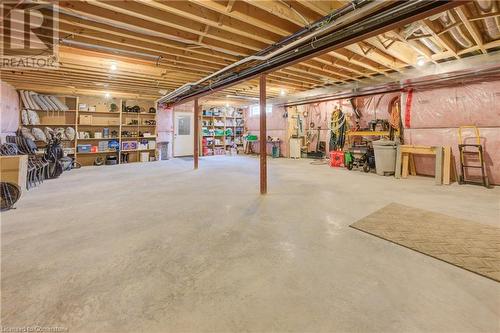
x: 160, y: 46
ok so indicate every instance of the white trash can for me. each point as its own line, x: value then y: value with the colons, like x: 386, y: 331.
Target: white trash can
x: 385, y: 157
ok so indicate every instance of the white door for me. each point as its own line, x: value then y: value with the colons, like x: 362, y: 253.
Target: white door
x: 183, y: 134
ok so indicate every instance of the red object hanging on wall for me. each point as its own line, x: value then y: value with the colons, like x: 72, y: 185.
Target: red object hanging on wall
x: 409, y: 99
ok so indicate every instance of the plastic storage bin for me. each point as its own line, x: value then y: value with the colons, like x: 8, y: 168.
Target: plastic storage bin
x: 385, y: 157
x: 83, y: 148
x: 336, y: 159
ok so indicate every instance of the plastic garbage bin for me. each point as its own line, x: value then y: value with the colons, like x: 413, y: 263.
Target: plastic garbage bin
x: 385, y: 157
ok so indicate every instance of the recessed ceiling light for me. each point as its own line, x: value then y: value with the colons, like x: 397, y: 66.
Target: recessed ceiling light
x: 282, y: 92
x: 107, y: 95
x: 113, y: 66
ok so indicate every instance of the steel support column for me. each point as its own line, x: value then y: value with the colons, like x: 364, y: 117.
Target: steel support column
x: 196, y: 129
x: 263, y: 135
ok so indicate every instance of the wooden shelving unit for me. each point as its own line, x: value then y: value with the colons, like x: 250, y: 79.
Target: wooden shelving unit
x: 103, y: 118
x: 221, y: 128
x: 134, y: 128
x: 55, y: 119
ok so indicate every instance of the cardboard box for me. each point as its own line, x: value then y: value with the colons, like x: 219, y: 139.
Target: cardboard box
x: 85, y: 119
x: 129, y: 145
x: 85, y: 148
x: 14, y: 169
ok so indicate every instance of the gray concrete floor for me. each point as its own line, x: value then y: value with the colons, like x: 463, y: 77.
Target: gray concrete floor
x: 158, y: 247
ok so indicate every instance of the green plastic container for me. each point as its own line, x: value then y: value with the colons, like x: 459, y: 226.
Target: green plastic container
x: 251, y: 137
x: 276, y: 151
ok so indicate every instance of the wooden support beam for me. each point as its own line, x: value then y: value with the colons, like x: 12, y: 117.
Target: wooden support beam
x: 245, y: 12
x: 196, y: 130
x: 263, y: 136
x: 320, y: 7
x: 282, y: 10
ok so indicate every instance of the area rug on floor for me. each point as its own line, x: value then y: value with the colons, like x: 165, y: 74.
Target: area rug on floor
x: 466, y: 244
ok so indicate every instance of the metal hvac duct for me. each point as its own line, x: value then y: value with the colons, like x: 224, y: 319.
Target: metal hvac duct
x: 456, y: 33
x: 307, y: 33
x: 399, y: 12
x: 491, y: 24
x: 417, y: 29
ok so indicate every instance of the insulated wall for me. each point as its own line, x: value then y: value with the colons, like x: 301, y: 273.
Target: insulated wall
x: 318, y: 115
x: 165, y: 126
x: 432, y: 117
x: 9, y: 110
x: 165, y: 123
x: 276, y: 127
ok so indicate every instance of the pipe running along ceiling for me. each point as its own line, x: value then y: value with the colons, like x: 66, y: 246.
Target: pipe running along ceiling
x: 327, y: 35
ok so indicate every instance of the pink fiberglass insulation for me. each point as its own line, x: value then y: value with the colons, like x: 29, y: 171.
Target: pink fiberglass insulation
x: 9, y: 108
x: 276, y: 127
x: 165, y: 126
x: 433, y: 120
x: 374, y: 107
x: 468, y: 104
x: 434, y: 117
x: 490, y: 139
x: 371, y: 107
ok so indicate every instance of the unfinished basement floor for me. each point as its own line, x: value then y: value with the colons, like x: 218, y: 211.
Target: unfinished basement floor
x: 158, y: 247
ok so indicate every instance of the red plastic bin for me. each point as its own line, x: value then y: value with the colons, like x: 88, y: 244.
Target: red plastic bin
x: 336, y: 159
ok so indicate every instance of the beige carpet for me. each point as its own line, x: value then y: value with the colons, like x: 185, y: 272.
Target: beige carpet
x: 466, y: 244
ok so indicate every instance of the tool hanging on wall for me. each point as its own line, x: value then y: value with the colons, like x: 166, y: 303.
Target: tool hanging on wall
x: 299, y: 129
x: 357, y: 113
x: 395, y: 120
x: 337, y: 129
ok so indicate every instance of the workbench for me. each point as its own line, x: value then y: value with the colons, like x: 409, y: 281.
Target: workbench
x: 368, y: 133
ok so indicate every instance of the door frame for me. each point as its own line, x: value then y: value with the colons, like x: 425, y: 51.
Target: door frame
x: 174, y: 129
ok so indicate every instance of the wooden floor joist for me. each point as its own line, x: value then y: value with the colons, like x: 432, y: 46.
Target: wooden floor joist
x: 176, y: 42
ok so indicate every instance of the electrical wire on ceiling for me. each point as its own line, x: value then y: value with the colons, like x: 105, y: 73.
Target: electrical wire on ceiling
x: 368, y: 15
x: 309, y: 32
